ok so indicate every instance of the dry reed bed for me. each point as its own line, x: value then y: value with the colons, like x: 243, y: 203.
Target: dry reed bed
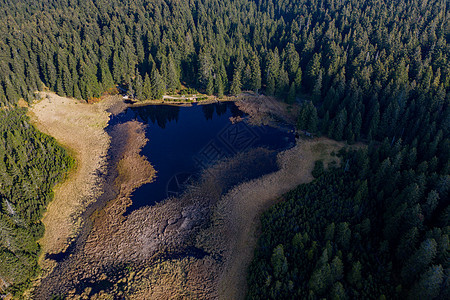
x: 225, y: 226
x: 80, y: 128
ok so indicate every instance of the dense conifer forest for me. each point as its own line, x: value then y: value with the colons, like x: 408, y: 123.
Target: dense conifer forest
x: 30, y: 165
x: 375, y: 71
x: 375, y: 228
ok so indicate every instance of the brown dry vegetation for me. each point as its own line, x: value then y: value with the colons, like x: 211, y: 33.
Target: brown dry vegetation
x: 174, y: 101
x: 228, y: 227
x: 153, y: 241
x: 241, y: 208
x: 264, y: 110
x: 145, y: 255
x: 190, y: 276
x: 132, y: 170
x: 80, y: 128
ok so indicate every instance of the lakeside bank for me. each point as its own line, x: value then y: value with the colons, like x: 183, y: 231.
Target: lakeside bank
x: 106, y: 244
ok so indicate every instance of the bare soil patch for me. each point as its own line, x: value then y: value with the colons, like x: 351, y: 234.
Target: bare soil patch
x: 224, y: 227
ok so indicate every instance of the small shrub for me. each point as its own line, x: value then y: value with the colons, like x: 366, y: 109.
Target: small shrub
x: 318, y: 169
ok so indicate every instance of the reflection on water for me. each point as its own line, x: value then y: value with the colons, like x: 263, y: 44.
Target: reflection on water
x: 159, y: 114
x: 185, y: 140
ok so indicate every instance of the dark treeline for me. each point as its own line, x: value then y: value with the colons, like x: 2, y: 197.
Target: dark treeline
x: 30, y: 165
x: 371, y: 70
x: 375, y: 228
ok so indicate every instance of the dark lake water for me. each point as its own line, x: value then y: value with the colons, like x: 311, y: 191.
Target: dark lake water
x: 185, y: 140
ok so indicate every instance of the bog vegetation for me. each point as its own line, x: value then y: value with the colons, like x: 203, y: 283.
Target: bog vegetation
x: 375, y: 71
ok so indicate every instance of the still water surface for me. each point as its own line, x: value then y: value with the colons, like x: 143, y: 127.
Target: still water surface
x: 185, y: 140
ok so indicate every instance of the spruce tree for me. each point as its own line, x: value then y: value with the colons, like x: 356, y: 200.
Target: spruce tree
x: 282, y: 83
x: 429, y: 284
x: 419, y: 261
x: 147, y: 87
x: 291, y: 94
x: 255, y: 82
x: 173, y: 76
x: 272, y: 71
x: 117, y: 67
x: 105, y: 76
x: 158, y: 86
x: 279, y: 261
x: 219, y: 86
x: 235, y: 88
x: 210, y: 86
x: 138, y: 86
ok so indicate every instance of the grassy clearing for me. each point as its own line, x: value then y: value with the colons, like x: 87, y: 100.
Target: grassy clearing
x: 79, y: 127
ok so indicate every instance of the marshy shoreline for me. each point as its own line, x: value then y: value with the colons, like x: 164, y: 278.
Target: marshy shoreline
x: 93, y: 182
x: 178, y: 246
